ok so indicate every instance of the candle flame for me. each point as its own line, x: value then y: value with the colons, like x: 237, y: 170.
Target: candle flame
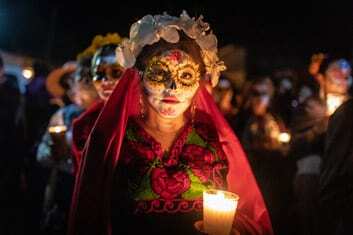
x: 28, y: 73
x: 57, y: 129
x: 221, y: 201
x: 284, y: 137
x: 333, y: 101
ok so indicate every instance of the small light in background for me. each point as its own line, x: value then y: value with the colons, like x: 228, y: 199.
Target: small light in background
x: 28, y: 73
x: 284, y: 137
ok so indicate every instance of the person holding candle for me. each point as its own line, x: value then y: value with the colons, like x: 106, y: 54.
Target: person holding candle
x: 104, y: 73
x: 336, y: 182
x: 53, y: 152
x: 160, y: 140
x: 261, y: 132
x: 309, y: 128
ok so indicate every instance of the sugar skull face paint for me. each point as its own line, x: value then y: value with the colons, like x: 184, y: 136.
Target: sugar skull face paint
x: 170, y: 82
x: 106, y: 75
x: 337, y: 77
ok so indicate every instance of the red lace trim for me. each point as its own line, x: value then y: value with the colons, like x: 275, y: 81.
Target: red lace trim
x: 168, y: 206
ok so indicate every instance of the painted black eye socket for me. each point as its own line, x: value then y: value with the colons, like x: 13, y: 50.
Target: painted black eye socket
x: 116, y: 73
x: 186, y: 76
x: 157, y: 74
x: 99, y: 76
x: 160, y: 73
x: 107, y: 74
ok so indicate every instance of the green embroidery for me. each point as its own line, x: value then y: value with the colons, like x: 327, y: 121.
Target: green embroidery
x: 196, y: 187
x: 196, y: 139
x: 144, y: 190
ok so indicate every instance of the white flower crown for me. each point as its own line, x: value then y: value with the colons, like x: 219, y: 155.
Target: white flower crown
x: 150, y: 29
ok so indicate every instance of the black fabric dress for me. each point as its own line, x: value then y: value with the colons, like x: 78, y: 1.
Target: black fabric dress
x: 336, y: 180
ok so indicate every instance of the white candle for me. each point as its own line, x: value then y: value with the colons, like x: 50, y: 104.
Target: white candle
x: 218, y: 211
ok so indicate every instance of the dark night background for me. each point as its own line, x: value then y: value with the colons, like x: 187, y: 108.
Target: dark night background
x: 58, y: 30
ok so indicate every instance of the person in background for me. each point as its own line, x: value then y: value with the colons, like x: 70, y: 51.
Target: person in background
x: 54, y: 150
x: 103, y: 72
x: 336, y: 179
x: 284, y: 99
x: 12, y: 146
x: 223, y: 94
x: 260, y: 131
x: 310, y: 85
x: 38, y: 107
x: 308, y: 129
x: 257, y: 126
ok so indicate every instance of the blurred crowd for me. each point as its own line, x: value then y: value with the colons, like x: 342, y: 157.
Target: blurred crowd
x: 280, y: 118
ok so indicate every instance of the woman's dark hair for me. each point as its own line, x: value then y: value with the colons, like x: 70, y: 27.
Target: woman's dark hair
x: 66, y: 80
x: 105, y: 50
x: 83, y: 70
x: 185, y: 44
x: 326, y: 63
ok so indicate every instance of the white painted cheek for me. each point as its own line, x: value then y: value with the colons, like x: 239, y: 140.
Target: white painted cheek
x: 175, y: 110
x: 155, y: 96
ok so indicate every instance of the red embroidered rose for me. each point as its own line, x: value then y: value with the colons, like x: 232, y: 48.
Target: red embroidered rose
x: 200, y: 161
x: 197, y: 155
x: 203, y: 174
x: 169, y: 186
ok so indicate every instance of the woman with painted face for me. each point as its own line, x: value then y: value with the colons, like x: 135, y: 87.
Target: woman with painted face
x: 309, y: 127
x: 106, y: 71
x: 255, y: 123
x: 160, y: 140
x: 100, y: 69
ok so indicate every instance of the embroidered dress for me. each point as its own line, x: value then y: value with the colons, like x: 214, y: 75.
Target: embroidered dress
x: 170, y: 184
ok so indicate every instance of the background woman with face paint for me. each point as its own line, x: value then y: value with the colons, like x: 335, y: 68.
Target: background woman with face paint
x: 160, y: 140
x: 105, y: 70
x: 309, y: 127
x: 102, y: 71
x: 255, y: 124
x: 53, y: 152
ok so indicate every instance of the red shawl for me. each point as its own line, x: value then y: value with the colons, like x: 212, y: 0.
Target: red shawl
x: 81, y: 128
x: 91, y: 209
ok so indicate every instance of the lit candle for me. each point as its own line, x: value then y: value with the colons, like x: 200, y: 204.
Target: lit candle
x: 218, y: 211
x: 284, y: 137
x: 333, y: 101
x: 28, y: 73
x: 58, y: 135
x: 57, y: 129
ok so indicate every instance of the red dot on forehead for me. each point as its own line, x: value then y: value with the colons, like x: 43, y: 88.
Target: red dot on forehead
x: 175, y: 55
